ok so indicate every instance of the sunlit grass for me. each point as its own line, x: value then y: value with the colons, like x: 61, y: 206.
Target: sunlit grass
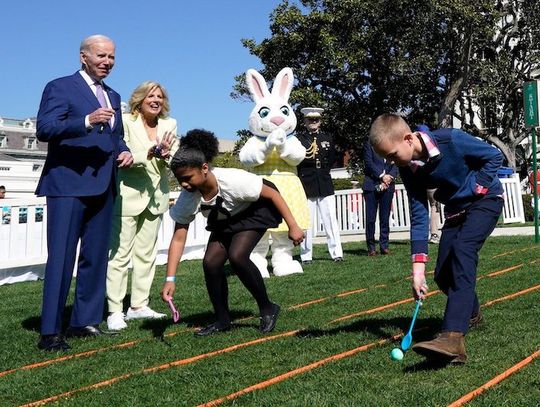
x: 141, y: 375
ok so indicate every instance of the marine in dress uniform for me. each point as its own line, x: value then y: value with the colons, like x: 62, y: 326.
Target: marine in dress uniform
x: 314, y: 172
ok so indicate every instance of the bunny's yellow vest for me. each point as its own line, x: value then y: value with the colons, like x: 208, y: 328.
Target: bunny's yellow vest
x: 285, y: 177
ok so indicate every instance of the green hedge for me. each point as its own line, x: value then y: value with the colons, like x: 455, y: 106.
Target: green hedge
x: 345, y: 183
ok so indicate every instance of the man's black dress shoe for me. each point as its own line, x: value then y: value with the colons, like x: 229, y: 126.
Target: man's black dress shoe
x: 86, y: 331
x: 212, y: 329
x: 338, y: 259
x: 268, y: 322
x: 53, y: 343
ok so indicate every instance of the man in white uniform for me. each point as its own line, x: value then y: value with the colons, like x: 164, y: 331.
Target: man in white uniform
x: 314, y: 172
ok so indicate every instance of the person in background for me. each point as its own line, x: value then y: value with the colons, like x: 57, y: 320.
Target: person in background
x: 143, y: 199
x: 463, y: 169
x: 240, y: 207
x: 378, y: 187
x: 314, y: 172
x: 2, y: 192
x: 80, y: 119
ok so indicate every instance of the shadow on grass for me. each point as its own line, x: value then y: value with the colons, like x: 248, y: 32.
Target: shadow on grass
x: 362, y: 251
x: 426, y: 329
x: 33, y: 323
x: 427, y: 365
x: 379, y: 327
x: 159, y: 326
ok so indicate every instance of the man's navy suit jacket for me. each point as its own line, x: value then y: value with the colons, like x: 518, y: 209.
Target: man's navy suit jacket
x: 80, y: 161
x: 374, y: 166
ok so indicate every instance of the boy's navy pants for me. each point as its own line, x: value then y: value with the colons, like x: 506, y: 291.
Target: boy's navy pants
x: 455, y: 273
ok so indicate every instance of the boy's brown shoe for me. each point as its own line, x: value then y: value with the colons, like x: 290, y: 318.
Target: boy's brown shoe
x: 447, y: 346
x: 476, y: 319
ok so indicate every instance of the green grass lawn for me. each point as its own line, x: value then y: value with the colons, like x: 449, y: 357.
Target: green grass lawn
x: 155, y: 362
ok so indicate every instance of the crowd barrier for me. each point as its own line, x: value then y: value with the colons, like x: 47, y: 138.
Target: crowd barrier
x: 23, y: 237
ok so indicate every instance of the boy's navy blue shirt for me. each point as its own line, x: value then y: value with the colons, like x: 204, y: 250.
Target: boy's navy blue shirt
x: 464, y: 164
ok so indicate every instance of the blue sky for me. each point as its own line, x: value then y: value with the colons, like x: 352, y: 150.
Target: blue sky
x: 192, y: 47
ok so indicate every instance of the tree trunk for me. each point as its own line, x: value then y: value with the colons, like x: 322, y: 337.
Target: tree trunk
x: 448, y: 107
x: 447, y: 110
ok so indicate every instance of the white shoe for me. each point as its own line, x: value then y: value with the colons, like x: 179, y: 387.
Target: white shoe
x: 143, y: 312
x: 115, y: 321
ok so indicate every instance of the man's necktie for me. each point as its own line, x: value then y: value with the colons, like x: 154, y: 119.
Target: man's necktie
x: 102, y: 101
x: 100, y: 95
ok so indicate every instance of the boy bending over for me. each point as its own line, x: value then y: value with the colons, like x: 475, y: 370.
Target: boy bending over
x: 463, y: 170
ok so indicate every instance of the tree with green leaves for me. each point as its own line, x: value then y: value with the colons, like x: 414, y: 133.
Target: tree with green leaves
x: 358, y: 58
x: 492, y: 104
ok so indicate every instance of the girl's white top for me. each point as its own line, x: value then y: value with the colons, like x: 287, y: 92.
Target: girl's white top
x: 238, y: 188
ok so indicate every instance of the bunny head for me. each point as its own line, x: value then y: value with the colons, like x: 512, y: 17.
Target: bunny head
x: 272, y: 110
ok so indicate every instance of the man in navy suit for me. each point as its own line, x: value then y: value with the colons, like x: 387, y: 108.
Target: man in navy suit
x: 378, y: 187
x: 80, y: 119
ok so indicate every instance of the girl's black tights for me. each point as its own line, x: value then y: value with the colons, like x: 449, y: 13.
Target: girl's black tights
x: 235, y: 247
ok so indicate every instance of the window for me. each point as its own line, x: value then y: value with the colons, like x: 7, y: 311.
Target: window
x: 3, y: 141
x: 31, y: 143
x: 28, y: 124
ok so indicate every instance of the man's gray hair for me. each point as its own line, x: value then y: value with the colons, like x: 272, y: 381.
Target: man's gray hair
x: 85, y: 44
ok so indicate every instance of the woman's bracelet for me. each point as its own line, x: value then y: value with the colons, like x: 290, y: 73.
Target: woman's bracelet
x: 171, y: 279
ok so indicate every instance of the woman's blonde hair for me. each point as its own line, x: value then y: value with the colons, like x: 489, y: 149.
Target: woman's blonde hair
x: 141, y: 92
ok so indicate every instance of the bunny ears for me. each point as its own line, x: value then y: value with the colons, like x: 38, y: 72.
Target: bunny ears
x: 259, y: 90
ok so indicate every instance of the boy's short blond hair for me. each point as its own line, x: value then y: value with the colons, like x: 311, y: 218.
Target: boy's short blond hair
x: 387, y: 126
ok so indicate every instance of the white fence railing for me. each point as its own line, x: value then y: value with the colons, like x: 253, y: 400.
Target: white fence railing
x: 352, y: 216
x: 23, y: 238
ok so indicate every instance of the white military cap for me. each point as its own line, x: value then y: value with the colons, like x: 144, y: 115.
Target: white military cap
x: 312, y: 111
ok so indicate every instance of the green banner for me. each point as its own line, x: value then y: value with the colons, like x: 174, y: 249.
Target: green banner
x: 530, y: 101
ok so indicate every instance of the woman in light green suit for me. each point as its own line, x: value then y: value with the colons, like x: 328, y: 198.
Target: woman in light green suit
x: 143, y: 198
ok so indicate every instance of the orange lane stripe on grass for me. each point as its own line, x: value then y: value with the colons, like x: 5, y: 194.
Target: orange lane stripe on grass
x: 512, y: 252
x: 308, y: 303
x: 506, y: 270
x: 497, y: 379
x: 287, y: 375
x: 344, y: 294
x: 68, y: 357
x: 510, y: 296
x: 219, y: 351
x: 85, y: 354
x: 133, y: 343
x: 295, y: 372
x: 231, y: 348
x: 161, y: 367
x: 381, y: 308
x: 360, y: 290
x: 72, y: 392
